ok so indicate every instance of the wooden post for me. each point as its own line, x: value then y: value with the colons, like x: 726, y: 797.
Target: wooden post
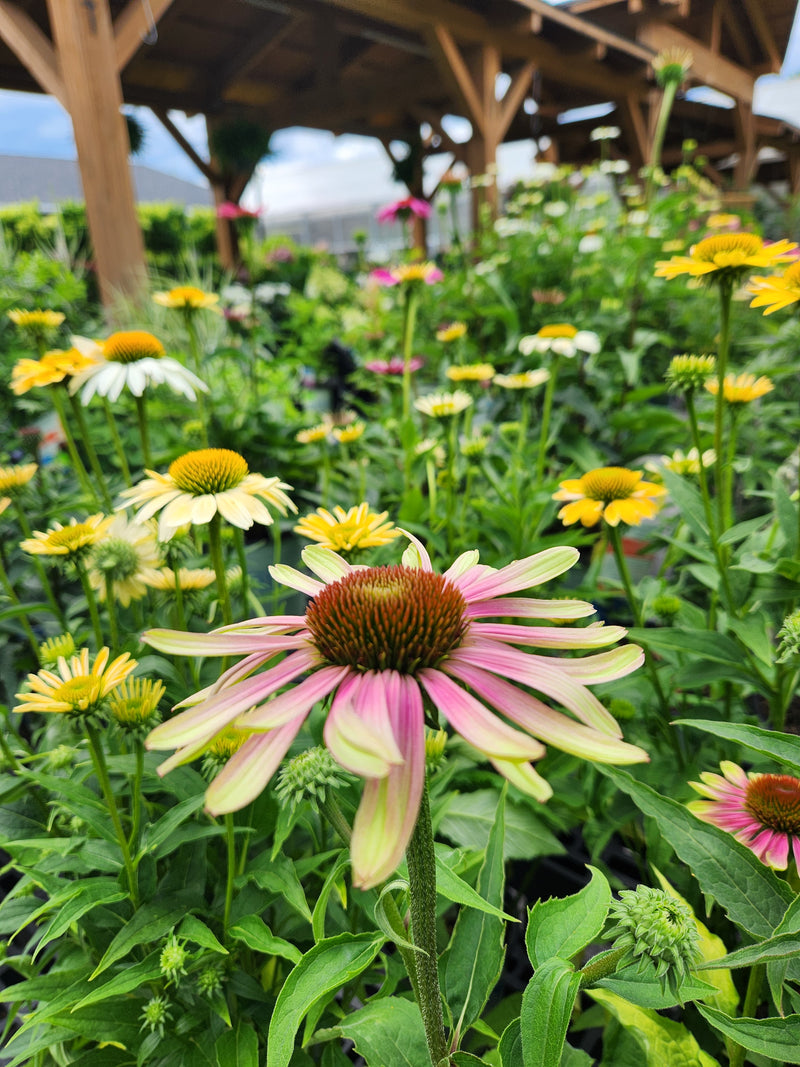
x: 84, y: 42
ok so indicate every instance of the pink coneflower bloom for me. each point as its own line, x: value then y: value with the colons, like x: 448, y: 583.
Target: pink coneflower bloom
x: 404, y: 209
x: 380, y: 641
x: 760, y: 810
x: 393, y: 365
x: 408, y: 274
x: 228, y: 210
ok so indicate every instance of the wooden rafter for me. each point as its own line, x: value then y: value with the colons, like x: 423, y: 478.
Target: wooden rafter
x: 515, y: 94
x: 588, y: 29
x: 453, y: 67
x: 710, y: 69
x: 133, y: 24
x: 254, y: 53
x: 33, y: 49
x: 205, y: 168
x: 764, y: 33
x: 742, y: 41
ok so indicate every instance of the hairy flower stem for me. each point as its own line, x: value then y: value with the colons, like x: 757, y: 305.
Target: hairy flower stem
x: 601, y: 966
x: 101, y: 770
x: 335, y: 816
x: 144, y: 432
x: 725, y: 295
x: 615, y: 537
x: 411, y: 299
x: 667, y: 100
x: 547, y: 408
x: 215, y: 550
x: 77, y: 463
x: 752, y: 998
x: 111, y: 606
x: 39, y: 568
x: 91, y: 452
x: 91, y: 603
x: 118, y: 445
x: 422, y: 893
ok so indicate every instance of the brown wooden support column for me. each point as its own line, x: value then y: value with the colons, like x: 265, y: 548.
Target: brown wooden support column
x: 747, y: 148
x: 84, y: 41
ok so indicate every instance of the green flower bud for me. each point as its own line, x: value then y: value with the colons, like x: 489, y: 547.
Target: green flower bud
x: 666, y: 606
x: 435, y: 743
x: 310, y: 776
x: 54, y: 647
x: 687, y: 373
x: 789, y: 638
x: 172, y: 960
x: 209, y: 980
x: 155, y: 1015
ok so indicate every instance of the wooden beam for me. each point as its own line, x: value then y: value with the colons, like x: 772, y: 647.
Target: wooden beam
x: 715, y: 27
x: 517, y: 91
x: 33, y: 49
x: 746, y: 146
x: 202, y: 165
x: 712, y: 70
x: 588, y: 29
x: 132, y: 26
x: 636, y: 129
x: 763, y: 32
x: 85, y: 44
x: 454, y: 69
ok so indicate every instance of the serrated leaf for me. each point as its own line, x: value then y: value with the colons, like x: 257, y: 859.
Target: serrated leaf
x: 777, y: 1038
x: 388, y: 1032
x: 326, y: 967
x: 150, y: 923
x: 563, y: 927
x: 279, y: 876
x: 547, y: 1005
x: 254, y: 932
x: 753, y: 896
x: 662, y: 1041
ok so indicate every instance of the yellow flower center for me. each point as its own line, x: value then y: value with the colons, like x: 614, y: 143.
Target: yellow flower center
x: 127, y: 346
x: 188, y: 295
x: 728, y: 249
x: 81, y: 693
x: 387, y: 618
x: 558, y: 329
x: 414, y: 272
x: 610, y: 483
x: 72, y: 537
x: 208, y: 470
x: 227, y: 743
x: 774, y: 799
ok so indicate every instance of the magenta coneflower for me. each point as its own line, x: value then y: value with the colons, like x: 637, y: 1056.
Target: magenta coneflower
x: 405, y: 209
x: 383, y: 641
x: 760, y: 810
x: 394, y: 366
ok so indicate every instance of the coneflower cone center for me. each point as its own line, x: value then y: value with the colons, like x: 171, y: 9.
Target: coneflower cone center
x: 559, y: 329
x: 127, y: 346
x: 71, y: 537
x: 387, y: 618
x: 726, y: 244
x: 208, y: 470
x: 610, y: 483
x: 774, y: 799
x: 80, y: 693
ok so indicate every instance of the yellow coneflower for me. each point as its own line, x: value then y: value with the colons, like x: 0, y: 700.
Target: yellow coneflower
x: 313, y: 434
x: 452, y: 332
x: 202, y: 484
x: 190, y: 579
x: 528, y: 379
x: 741, y: 388
x: 347, y: 531
x: 689, y: 372
x: 690, y: 463
x: 777, y: 291
x: 55, y: 648
x: 471, y: 372
x: 443, y: 405
x: 123, y: 560
x: 37, y: 320
x: 54, y: 366
x: 14, y: 479
x: 186, y: 297
x: 614, y: 494
x: 726, y: 256
x: 74, y: 539
x: 134, y: 704
x: 345, y: 435
x: 77, y: 688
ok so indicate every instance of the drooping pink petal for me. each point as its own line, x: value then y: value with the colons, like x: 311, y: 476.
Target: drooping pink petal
x: 268, y: 624
x: 182, y: 643
x: 524, y: 777
x: 299, y: 699
x: 358, y: 731
x: 552, y: 727
x: 522, y: 574
x: 592, y: 670
x: 389, y: 806
x: 550, y: 636
x: 772, y: 848
x: 295, y: 579
x: 416, y: 555
x: 247, y: 772
x: 219, y: 711
x: 476, y: 724
x: 529, y: 608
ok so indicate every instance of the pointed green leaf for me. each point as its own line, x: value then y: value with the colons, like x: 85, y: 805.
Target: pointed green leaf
x: 547, y: 1005
x: 783, y: 748
x: 150, y: 923
x: 563, y: 927
x: 388, y: 1032
x: 126, y: 981
x: 783, y: 946
x: 198, y: 933
x: 93, y: 893
x: 255, y: 933
x: 452, y: 887
x: 510, y: 1047
x: 662, y: 1041
x: 331, y: 882
x: 778, y: 1038
x: 237, y: 1048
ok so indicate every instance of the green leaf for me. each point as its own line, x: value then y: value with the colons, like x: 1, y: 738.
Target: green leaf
x: 474, y: 958
x: 662, y: 1041
x: 238, y: 1048
x: 703, y: 644
x: 510, y: 1047
x: 158, y: 833
x: 150, y: 923
x: 563, y: 927
x: 783, y: 946
x: 383, y: 922
x: 783, y: 748
x: 198, y: 933
x: 640, y: 986
x: 255, y: 933
x: 452, y: 887
x: 92, y: 893
x: 575, y: 1057
x: 689, y: 501
x: 786, y: 511
x: 326, y: 967
x: 331, y: 882
x: 125, y: 981
x: 279, y: 876
x: 753, y: 896
x: 466, y: 1059
x: 388, y: 1032
x: 778, y: 1038
x: 468, y: 819
x: 547, y: 1005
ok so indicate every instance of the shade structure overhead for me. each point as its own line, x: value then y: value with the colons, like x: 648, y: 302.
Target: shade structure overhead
x: 388, y: 68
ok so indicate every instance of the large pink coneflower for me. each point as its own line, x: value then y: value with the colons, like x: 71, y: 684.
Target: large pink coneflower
x: 405, y: 209
x: 394, y: 366
x: 383, y: 641
x: 229, y: 210
x: 760, y: 810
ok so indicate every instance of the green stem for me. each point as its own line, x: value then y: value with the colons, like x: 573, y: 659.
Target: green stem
x: 91, y: 602
x: 725, y: 294
x: 230, y: 847
x: 118, y: 445
x: 101, y: 770
x: 422, y: 891
x: 39, y: 568
x: 667, y: 100
x: 136, y: 800
x: 111, y: 607
x: 452, y: 453
x: 409, y: 324
x: 601, y: 966
x: 545, y: 429
x: 194, y: 347
x: 77, y: 463
x: 728, y: 489
x: 242, y: 557
x: 408, y: 957
x: 23, y: 619
x: 335, y: 816
x: 752, y: 999
x: 218, y: 563
x: 91, y: 452
x: 144, y: 433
